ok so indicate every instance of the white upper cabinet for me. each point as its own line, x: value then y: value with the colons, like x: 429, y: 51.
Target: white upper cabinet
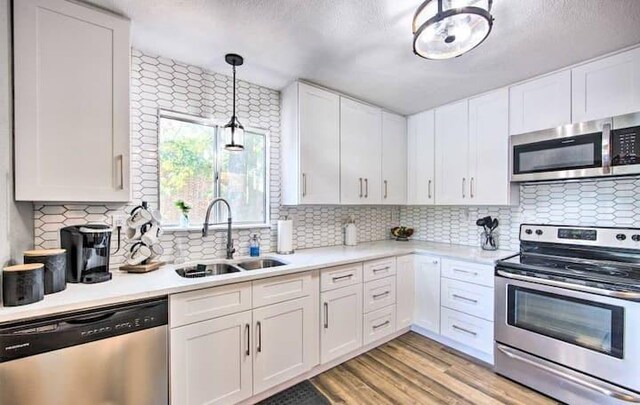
x: 540, y: 103
x: 394, y: 156
x: 489, y: 150
x: 71, y: 77
x: 606, y: 87
x: 360, y: 153
x: 421, y: 158
x: 452, y: 163
x: 310, y: 145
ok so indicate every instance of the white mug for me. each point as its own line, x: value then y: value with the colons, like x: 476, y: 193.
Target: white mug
x: 138, y: 254
x: 139, y: 216
x: 133, y: 233
x: 156, y: 251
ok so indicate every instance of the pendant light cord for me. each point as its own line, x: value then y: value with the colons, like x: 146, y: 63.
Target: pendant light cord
x: 234, y: 97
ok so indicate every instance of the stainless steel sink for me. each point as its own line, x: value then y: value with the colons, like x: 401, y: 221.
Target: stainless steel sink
x: 260, y: 264
x: 205, y: 270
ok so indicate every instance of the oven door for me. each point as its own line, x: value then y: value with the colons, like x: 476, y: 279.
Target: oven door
x: 590, y: 333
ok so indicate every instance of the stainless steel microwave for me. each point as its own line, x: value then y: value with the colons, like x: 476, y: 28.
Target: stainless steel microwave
x: 606, y: 147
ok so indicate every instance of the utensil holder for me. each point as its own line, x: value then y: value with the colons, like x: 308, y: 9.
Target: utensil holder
x: 489, y: 240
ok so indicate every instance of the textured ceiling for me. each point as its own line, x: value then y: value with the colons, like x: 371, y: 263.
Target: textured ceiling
x: 363, y: 47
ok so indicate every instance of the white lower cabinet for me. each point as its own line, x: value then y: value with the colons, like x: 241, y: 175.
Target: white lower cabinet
x: 211, y: 361
x: 470, y: 298
x: 282, y: 336
x: 427, y: 293
x: 341, y: 322
x: 466, y: 329
x: 379, y: 323
x: 405, y: 290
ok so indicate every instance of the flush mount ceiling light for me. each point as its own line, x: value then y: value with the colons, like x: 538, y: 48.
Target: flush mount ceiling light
x: 445, y: 29
x: 234, y: 130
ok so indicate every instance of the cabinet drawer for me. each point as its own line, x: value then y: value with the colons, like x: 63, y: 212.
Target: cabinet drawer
x: 200, y: 305
x: 466, y: 329
x: 466, y: 271
x: 469, y: 298
x: 283, y: 288
x: 379, y: 293
x: 377, y: 269
x: 378, y: 324
x: 342, y: 276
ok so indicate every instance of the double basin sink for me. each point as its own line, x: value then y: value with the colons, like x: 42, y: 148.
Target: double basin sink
x: 214, y: 269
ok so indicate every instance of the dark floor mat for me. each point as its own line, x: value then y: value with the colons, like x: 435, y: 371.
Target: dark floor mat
x: 303, y: 393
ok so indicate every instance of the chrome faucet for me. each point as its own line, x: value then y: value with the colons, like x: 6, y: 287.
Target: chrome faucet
x: 205, y: 226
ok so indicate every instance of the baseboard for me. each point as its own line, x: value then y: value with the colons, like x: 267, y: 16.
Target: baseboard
x: 476, y: 354
x: 321, y: 368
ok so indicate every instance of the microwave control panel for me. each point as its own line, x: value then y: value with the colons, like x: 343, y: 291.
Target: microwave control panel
x: 625, y: 146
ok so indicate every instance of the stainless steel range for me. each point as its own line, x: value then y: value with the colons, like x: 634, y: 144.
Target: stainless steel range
x: 568, y: 313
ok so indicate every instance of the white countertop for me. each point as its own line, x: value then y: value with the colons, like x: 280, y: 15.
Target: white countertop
x: 126, y: 286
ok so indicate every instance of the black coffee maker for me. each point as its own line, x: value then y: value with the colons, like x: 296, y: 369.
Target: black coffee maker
x: 88, y: 249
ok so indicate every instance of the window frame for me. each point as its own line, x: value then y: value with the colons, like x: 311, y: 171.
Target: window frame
x: 218, y: 219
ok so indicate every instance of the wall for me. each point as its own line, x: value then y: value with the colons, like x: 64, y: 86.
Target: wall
x: 589, y: 202
x: 167, y: 84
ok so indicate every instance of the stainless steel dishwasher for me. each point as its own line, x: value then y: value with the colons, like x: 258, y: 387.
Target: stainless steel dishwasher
x: 111, y: 355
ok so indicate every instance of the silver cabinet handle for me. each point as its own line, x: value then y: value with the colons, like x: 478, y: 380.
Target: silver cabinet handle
x: 385, y: 189
x: 435, y: 262
x: 376, y: 296
x: 120, y: 160
x: 464, y: 182
x: 360, y: 179
x: 259, y: 328
x: 473, y: 273
x: 366, y: 188
x: 471, y: 188
x: 381, y: 269
x: 606, y: 150
x: 467, y: 331
x: 608, y: 390
x: 248, y: 351
x: 385, y: 323
x: 304, y: 184
x: 429, y: 189
x: 326, y: 315
x: 339, y: 278
x: 460, y: 297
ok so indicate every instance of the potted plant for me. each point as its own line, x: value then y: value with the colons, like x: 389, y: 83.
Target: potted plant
x: 184, y: 213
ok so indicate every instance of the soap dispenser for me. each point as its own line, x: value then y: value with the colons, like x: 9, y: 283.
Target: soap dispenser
x: 350, y: 232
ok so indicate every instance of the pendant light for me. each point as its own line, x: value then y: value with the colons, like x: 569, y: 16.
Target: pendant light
x: 234, y: 131
x: 445, y: 29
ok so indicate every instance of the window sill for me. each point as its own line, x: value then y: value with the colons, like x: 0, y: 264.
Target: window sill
x: 216, y: 227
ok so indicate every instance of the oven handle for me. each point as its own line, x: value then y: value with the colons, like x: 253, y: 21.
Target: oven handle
x: 621, y: 395
x: 624, y: 295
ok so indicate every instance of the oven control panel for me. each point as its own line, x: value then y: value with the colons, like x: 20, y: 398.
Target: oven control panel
x: 595, y: 236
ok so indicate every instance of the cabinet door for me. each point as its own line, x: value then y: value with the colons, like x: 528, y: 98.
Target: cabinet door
x: 319, y: 126
x: 341, y: 322
x: 540, y: 104
x: 405, y: 290
x: 360, y: 153
x: 284, y: 340
x: 427, y: 293
x: 421, y: 159
x: 71, y: 102
x: 394, y: 156
x: 211, y: 361
x: 489, y: 150
x: 452, y: 144
x: 606, y: 87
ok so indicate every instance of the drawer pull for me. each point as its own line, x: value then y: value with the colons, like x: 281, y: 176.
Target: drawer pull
x: 460, y: 297
x: 326, y: 315
x: 473, y: 273
x: 348, y: 276
x: 385, y: 323
x: 376, y: 296
x: 456, y: 327
x: 381, y: 269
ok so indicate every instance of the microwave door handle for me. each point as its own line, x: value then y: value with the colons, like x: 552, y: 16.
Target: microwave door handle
x: 606, y: 148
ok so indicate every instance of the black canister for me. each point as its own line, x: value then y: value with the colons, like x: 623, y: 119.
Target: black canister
x: 22, y: 284
x: 55, y: 267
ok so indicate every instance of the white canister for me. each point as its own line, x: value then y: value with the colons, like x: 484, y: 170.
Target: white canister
x: 350, y: 233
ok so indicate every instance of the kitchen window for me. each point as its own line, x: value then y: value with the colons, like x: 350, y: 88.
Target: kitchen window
x: 195, y: 168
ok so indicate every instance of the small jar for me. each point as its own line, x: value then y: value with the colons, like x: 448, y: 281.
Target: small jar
x: 22, y: 284
x: 489, y: 240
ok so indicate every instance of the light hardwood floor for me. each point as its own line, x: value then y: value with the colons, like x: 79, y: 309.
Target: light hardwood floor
x: 415, y: 370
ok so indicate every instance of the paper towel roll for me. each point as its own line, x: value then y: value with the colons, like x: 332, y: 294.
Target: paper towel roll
x: 285, y: 236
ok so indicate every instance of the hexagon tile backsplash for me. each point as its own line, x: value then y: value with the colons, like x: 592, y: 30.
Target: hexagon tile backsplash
x: 158, y: 82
